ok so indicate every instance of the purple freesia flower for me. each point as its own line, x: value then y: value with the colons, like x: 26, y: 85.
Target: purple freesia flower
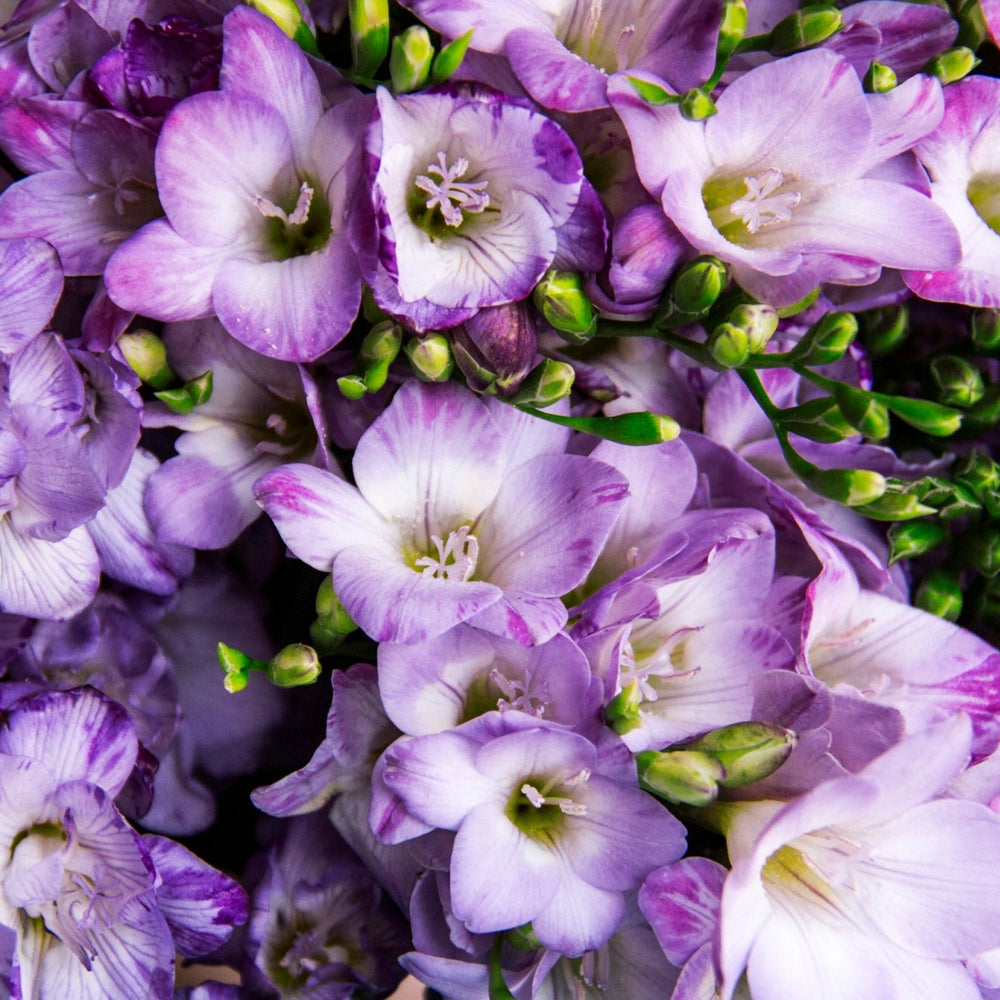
x: 463, y: 512
x: 791, y: 182
x: 255, y: 180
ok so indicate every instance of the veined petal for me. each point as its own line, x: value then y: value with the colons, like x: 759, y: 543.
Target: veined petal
x: 30, y: 285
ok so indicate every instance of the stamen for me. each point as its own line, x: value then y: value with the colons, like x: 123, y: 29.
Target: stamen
x: 299, y: 214
x: 566, y: 805
x: 449, y: 194
x: 629, y: 673
x: 516, y: 696
x: 456, y: 557
x: 761, y: 207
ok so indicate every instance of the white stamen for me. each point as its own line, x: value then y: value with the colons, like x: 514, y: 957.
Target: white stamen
x: 299, y: 214
x: 761, y: 207
x: 456, y: 557
x: 566, y: 805
x: 449, y: 194
x: 516, y: 695
x: 629, y: 674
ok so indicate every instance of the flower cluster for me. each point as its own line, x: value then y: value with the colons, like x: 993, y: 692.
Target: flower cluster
x: 621, y: 379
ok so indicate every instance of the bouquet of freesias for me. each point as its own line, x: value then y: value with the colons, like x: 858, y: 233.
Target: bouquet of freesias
x: 601, y: 398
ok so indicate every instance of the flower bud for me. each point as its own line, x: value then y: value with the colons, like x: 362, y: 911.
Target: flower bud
x: 545, y: 384
x: 331, y: 612
x: 622, y: 712
x: 287, y: 16
x: 377, y: 352
x: 147, y: 357
x: 960, y: 383
x: 900, y: 502
x: 369, y: 34
x: 984, y: 415
x: 953, y: 64
x: 430, y: 357
x: 450, y: 57
x: 864, y: 411
x: 949, y: 500
x: 732, y: 28
x: 879, y: 79
x: 200, y: 388
x: 940, y: 593
x: 827, y: 340
x: 697, y: 285
x: 759, y: 322
x: 729, y: 345
x: 696, y: 105
x: 496, y: 348
x: 913, y: 538
x: 179, y: 400
x: 980, y: 549
x: 979, y: 474
x: 352, y: 386
x: 684, y: 777
x: 931, y: 418
x: 237, y: 667
x: 852, y: 487
x: 294, y: 666
x: 806, y: 27
x: 748, y: 751
x: 985, y: 329
x: 410, y: 59
x: 559, y: 297
x: 885, y: 329
x: 651, y: 92
x: 818, y: 420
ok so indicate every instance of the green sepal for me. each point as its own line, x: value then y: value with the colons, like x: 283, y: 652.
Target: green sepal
x: 879, y: 79
x: 908, y: 539
x: 450, y: 57
x: 305, y: 39
x: 818, y: 420
x: 851, y: 487
x: 410, y: 59
x: 546, y: 383
x: 931, y: 418
x: 652, y: 93
x: 696, y: 105
x: 200, y: 388
x: 179, y: 400
x: 980, y: 549
x: 625, y: 428
x: 369, y: 35
x: 697, y: 285
x: 865, y: 411
x: 825, y: 341
x: 899, y: 502
x: 940, y: 593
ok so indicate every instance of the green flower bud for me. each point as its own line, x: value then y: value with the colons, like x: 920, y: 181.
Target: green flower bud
x: 953, y: 64
x: 696, y: 105
x: 430, y: 357
x: 729, y: 345
x: 559, y: 297
x: 827, y: 340
x: 981, y: 476
x: 200, y: 388
x: 940, y: 593
x: 732, y: 28
x: 652, y: 93
x: 818, y: 420
x: 331, y: 612
x: 369, y: 34
x: 949, y: 500
x: 900, y: 502
x: 382, y: 342
x: 179, y: 400
x: 147, y: 357
x: 806, y: 27
x: 287, y: 16
x: 352, y: 386
x: 697, y: 285
x: 237, y: 667
x: 985, y: 329
x: 684, y: 777
x: 622, y: 712
x: 980, y: 549
x: 294, y: 666
x: 450, y: 57
x: 523, y: 938
x: 985, y: 414
x: 545, y: 384
x: 914, y: 538
x: 931, y: 418
x: 759, y: 322
x: 852, y: 487
x: 879, y: 79
x: 864, y: 411
x: 960, y: 383
x: 748, y: 751
x: 410, y: 59
x: 885, y: 329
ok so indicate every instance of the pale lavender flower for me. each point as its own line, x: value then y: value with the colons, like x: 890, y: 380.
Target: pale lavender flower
x: 464, y: 511
x: 255, y: 180
x: 31, y: 282
x: 791, y: 182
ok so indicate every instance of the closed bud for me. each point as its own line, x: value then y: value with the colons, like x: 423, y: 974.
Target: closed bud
x: 545, y: 384
x: 523, y: 938
x: 864, y: 411
x: 430, y: 357
x: 759, y: 322
x: 960, y: 383
x: 294, y: 666
x: 806, y: 27
x: 496, y: 348
x: 732, y: 28
x: 683, y: 777
x: 980, y: 549
x: 985, y: 414
x: 953, y: 64
x: 940, y: 593
x: 287, y: 16
x: 237, y: 667
x: 179, y: 400
x: 697, y: 285
x: 931, y: 418
x: 981, y: 476
x: 369, y: 34
x: 827, y: 340
x: 913, y: 538
x: 382, y: 342
x: 985, y: 329
x: 559, y: 297
x: 748, y: 751
x: 885, y: 329
x: 852, y: 487
x: 879, y: 79
x: 622, y: 712
x: 894, y: 505
x: 147, y: 357
x: 818, y: 420
x: 729, y: 346
x: 200, y: 388
x: 696, y: 105
x: 410, y: 59
x: 331, y: 612
x: 450, y: 58
x: 352, y: 386
x: 949, y: 500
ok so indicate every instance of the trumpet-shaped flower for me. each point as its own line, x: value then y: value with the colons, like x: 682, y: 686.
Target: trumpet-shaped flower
x: 463, y: 511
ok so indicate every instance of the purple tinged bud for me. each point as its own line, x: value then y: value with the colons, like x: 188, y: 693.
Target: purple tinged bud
x: 294, y: 666
x: 496, y: 347
x: 410, y: 59
x: 960, y: 383
x: 430, y: 357
x: 683, y: 777
x: 940, y: 593
x: 147, y: 357
x: 749, y: 751
x: 804, y: 28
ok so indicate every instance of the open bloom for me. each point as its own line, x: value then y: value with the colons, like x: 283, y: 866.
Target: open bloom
x: 463, y: 511
x: 794, y: 181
